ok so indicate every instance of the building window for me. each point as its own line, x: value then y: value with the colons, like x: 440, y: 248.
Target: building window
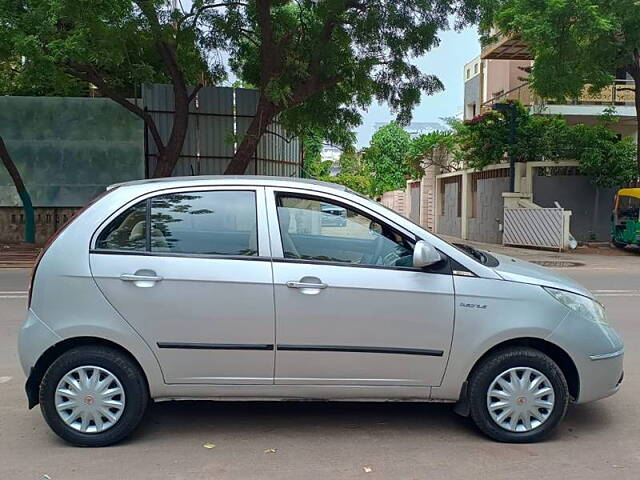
x: 468, y: 73
x: 475, y: 68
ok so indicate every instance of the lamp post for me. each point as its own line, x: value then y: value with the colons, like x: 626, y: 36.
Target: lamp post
x: 510, y: 111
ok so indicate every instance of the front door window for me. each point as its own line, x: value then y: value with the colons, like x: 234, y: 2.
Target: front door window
x: 318, y: 230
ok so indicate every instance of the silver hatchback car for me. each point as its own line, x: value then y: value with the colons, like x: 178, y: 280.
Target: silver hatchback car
x: 235, y: 288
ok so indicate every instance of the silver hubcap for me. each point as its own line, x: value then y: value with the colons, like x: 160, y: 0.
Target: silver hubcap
x: 90, y: 399
x: 520, y: 399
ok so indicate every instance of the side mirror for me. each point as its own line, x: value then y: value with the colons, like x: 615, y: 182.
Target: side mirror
x: 425, y: 255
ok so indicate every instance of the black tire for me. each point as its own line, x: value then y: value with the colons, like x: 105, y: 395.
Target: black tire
x: 127, y: 372
x: 617, y: 244
x: 503, y: 360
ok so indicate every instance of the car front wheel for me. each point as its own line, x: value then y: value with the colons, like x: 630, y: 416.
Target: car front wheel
x: 518, y: 395
x: 93, y: 396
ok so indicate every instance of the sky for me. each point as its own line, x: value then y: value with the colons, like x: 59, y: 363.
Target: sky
x: 447, y: 63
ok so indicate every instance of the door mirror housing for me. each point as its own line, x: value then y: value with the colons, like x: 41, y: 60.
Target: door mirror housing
x: 425, y: 255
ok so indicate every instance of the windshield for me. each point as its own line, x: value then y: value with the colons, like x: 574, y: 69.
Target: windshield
x: 480, y: 256
x: 629, y: 207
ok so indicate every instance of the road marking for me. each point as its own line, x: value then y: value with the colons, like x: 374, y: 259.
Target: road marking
x: 617, y: 293
x: 5, y: 379
x: 17, y: 292
x: 12, y: 296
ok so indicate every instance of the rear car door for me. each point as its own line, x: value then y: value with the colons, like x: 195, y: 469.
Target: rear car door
x: 197, y: 284
x: 350, y: 307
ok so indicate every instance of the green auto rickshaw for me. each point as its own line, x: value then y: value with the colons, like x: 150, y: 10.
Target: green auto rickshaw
x: 625, y: 220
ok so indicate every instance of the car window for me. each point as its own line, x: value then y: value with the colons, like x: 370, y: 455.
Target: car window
x: 315, y: 229
x: 200, y: 223
x: 206, y: 223
x: 127, y: 231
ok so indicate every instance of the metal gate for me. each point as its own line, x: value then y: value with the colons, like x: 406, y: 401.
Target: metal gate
x: 218, y: 119
x: 534, y: 227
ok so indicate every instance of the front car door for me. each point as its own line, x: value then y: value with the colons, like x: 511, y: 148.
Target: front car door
x: 350, y: 307
x: 197, y: 285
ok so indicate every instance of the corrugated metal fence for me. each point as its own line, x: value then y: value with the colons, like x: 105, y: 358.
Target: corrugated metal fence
x: 534, y: 227
x: 219, y: 117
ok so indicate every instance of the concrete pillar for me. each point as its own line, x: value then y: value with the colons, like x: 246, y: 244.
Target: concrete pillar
x: 520, y: 174
x: 436, y: 200
x: 466, y: 205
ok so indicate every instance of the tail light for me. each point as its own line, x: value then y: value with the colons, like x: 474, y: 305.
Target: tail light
x: 53, y: 238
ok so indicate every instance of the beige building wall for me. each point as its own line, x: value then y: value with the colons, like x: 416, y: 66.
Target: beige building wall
x: 501, y: 76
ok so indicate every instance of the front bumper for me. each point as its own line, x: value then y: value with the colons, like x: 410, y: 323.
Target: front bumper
x: 597, y: 352
x: 601, y: 376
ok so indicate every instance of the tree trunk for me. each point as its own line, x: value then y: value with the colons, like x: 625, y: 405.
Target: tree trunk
x: 265, y: 113
x: 169, y: 154
x: 29, y: 217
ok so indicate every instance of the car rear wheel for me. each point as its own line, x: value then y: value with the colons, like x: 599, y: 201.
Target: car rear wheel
x: 518, y: 395
x: 93, y: 396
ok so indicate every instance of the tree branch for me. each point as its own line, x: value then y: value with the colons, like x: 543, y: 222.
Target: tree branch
x: 310, y: 88
x: 196, y: 12
x: 89, y: 74
x: 194, y: 93
x: 11, y: 167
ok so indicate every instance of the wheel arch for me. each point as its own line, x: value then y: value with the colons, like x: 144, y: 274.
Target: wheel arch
x: 55, y: 351
x: 556, y: 353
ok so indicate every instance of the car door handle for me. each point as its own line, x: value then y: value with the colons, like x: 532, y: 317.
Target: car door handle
x: 132, y: 277
x: 318, y: 286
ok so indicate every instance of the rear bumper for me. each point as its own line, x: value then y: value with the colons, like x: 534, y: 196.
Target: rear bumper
x: 34, y: 339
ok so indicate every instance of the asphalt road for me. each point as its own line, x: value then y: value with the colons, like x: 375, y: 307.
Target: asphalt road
x: 332, y: 440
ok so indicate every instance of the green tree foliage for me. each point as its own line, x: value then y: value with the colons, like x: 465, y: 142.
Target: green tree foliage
x: 387, y: 160
x: 434, y: 148
x: 608, y: 161
x: 318, y: 62
x: 62, y: 47
x: 575, y: 43
x: 603, y: 157
x: 353, y: 174
x: 314, y: 166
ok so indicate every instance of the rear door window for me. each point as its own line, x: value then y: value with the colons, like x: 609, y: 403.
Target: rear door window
x: 205, y: 223
x: 198, y: 223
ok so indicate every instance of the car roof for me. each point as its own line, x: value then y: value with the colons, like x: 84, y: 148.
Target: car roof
x: 261, y: 180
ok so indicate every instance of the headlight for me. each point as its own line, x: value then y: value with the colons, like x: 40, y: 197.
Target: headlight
x: 583, y: 306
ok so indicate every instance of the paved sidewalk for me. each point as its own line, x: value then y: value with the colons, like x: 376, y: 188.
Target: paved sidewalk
x: 594, y: 257
x: 18, y: 255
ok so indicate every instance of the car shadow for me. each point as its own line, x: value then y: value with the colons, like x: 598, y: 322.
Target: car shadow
x: 338, y: 419
x: 588, y: 419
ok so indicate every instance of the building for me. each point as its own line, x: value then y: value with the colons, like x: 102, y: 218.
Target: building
x: 500, y: 74
x: 417, y: 128
x: 487, y: 81
x: 332, y: 154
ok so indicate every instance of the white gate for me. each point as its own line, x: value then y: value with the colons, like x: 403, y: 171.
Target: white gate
x: 534, y: 227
